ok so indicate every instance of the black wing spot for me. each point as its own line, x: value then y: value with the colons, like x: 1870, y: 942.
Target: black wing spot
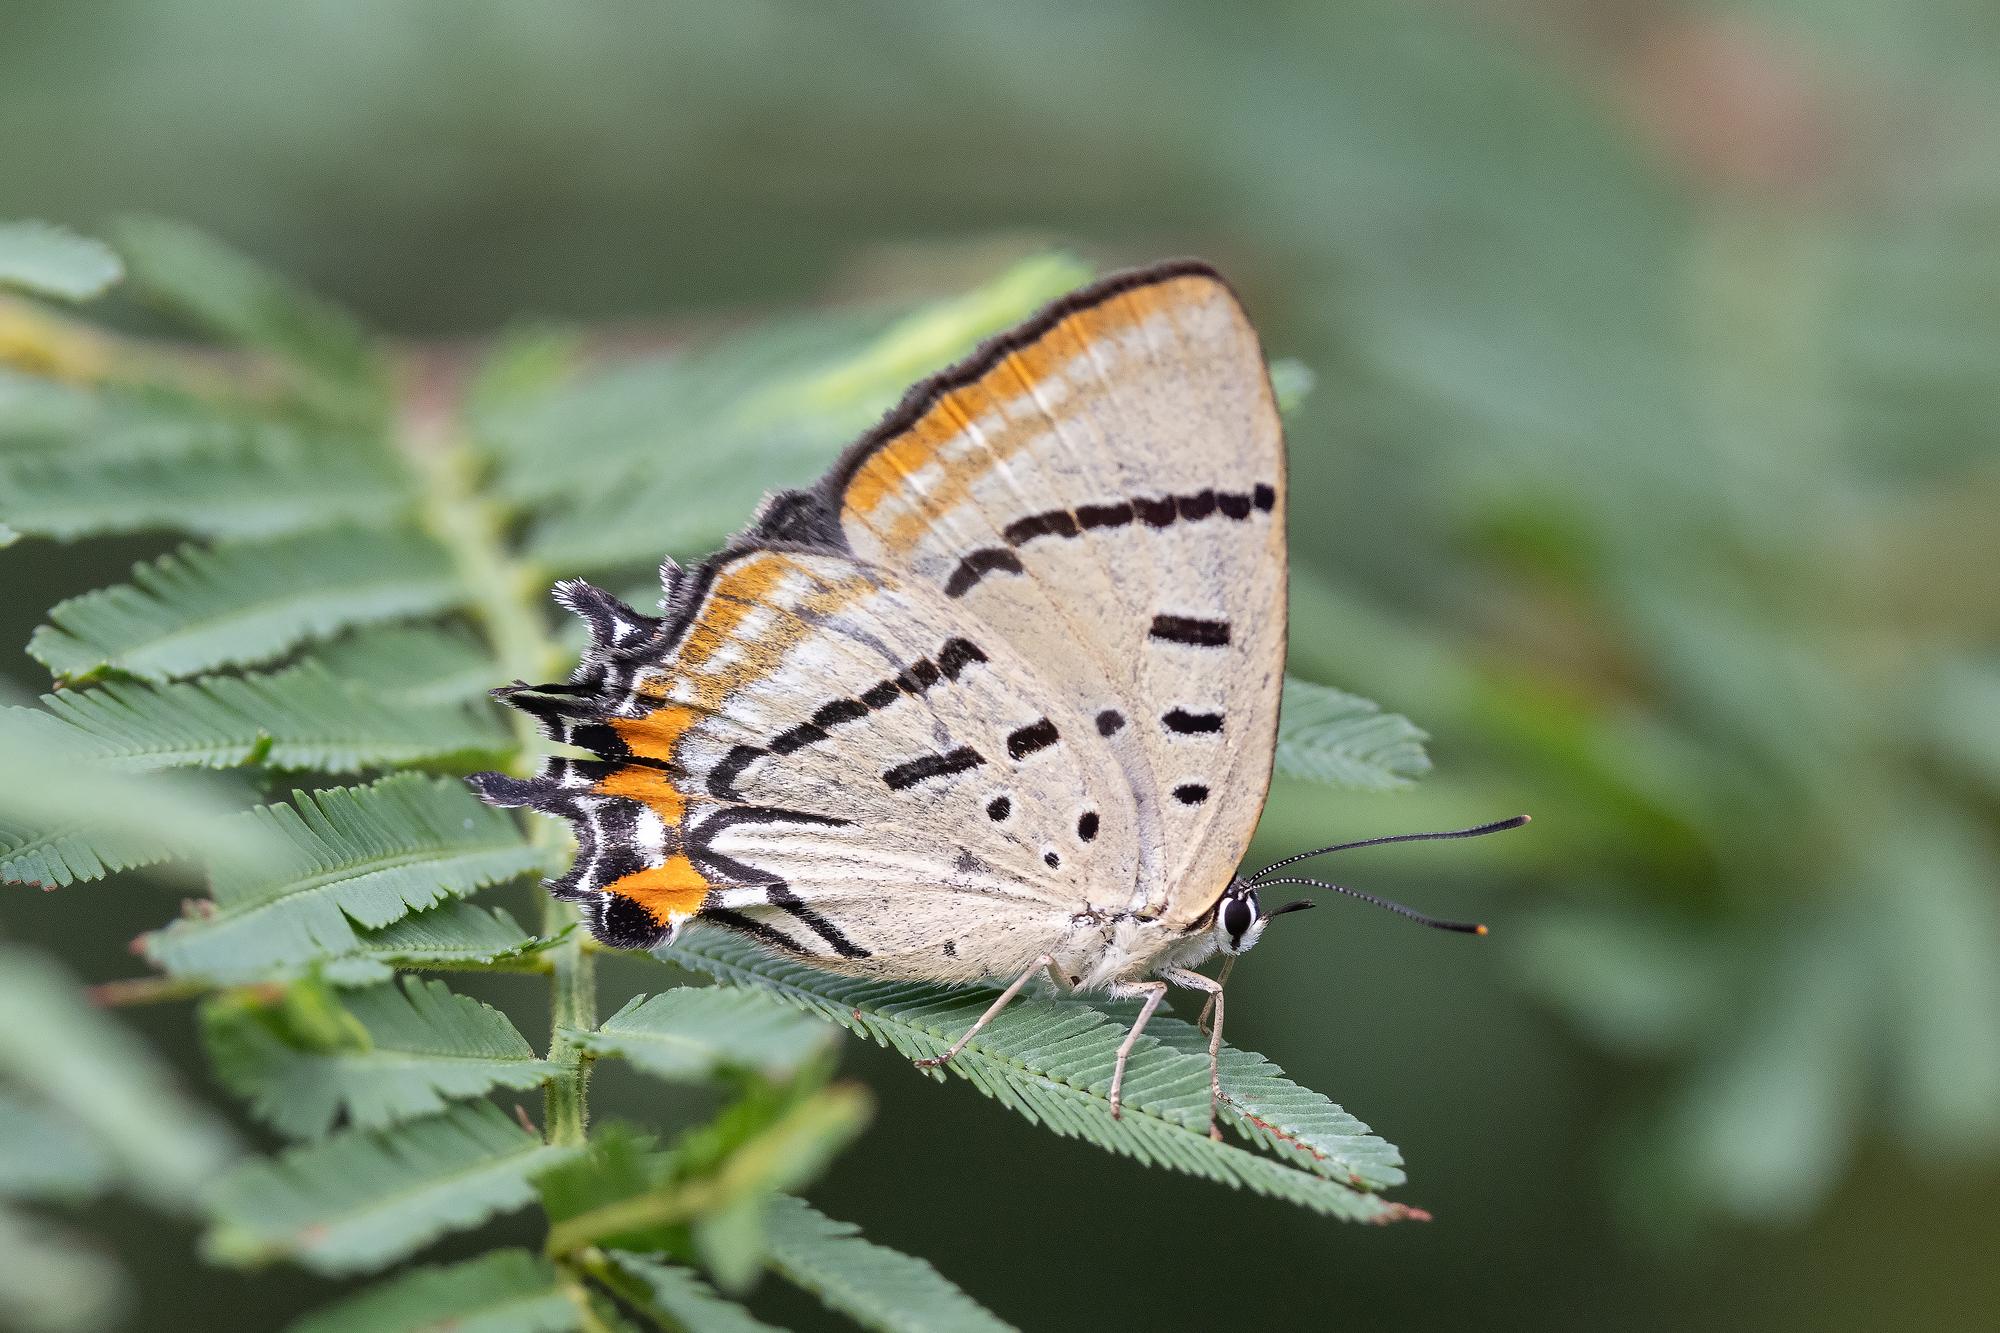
x: 1264, y: 497
x: 919, y: 676
x: 956, y: 656
x: 1191, y: 793
x: 1190, y: 630
x: 1086, y: 825
x: 1196, y: 507
x: 951, y: 948
x: 1024, y: 741
x: 907, y: 775
x: 1053, y: 861
x: 1183, y: 723
x: 999, y: 808
x: 1110, y: 722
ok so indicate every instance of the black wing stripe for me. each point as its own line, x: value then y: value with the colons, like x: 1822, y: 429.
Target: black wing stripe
x: 1156, y: 511
x: 722, y: 778
x: 954, y: 658
x: 1024, y: 741
x: 905, y: 776
x: 1190, y: 630
x: 978, y: 565
x: 756, y: 930
x: 1183, y: 723
x: 717, y: 866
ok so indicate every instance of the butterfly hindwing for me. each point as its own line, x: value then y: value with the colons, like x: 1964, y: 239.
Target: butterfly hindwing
x: 807, y: 749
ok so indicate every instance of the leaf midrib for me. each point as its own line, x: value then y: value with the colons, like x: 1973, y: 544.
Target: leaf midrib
x: 402, y: 1056
x: 424, y: 600
x: 248, y: 907
x: 303, y: 1234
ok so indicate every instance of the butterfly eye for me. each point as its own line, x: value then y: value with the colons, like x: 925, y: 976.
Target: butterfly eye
x: 1236, y: 920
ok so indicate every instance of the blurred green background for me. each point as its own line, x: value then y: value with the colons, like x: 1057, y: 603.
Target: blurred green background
x: 1650, y: 467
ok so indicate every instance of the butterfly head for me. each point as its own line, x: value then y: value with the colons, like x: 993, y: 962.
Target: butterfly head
x: 1240, y: 919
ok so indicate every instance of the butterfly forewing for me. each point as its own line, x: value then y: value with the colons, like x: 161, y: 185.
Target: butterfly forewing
x: 1104, y: 491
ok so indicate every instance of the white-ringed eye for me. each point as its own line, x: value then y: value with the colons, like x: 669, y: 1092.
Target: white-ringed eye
x: 1238, y: 922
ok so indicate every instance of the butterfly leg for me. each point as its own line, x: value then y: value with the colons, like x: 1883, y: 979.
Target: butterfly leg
x: 1193, y: 980
x: 1215, y: 997
x: 992, y: 1012
x: 1154, y: 992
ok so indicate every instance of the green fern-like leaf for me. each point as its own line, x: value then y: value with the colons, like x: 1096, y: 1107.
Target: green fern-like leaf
x: 715, y: 1182
x: 105, y: 423
x: 285, y: 483
x: 301, y: 718
x: 409, y: 664
x: 65, y: 818
x: 506, y: 1291
x: 356, y: 857
x: 568, y: 436
x: 52, y: 1281
x: 46, y: 1155
x: 1048, y: 1060
x: 103, y: 1081
x: 365, y: 1198
x: 654, y: 516
x: 228, y: 295
x: 692, y: 1032
x: 451, y: 937
x: 54, y: 261
x: 873, y: 1285
x: 77, y: 849
x: 680, y: 1295
x: 420, y: 1046
x: 1302, y: 1126
x: 778, y: 428
x: 244, y: 603
x: 1328, y: 735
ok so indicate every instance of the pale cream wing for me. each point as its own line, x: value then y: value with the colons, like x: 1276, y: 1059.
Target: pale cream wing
x: 830, y: 759
x: 1103, y: 491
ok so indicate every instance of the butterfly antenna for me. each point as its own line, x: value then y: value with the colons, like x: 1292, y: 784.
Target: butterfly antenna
x: 1435, y: 923
x: 1498, y: 826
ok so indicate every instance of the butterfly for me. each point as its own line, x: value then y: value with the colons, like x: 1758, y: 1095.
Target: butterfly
x: 995, y: 701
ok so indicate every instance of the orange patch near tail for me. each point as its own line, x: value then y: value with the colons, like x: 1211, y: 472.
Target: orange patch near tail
x: 668, y: 891
x: 653, y: 737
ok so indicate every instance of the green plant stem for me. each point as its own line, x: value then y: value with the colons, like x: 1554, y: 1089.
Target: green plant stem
x: 506, y: 593
x: 631, y: 1293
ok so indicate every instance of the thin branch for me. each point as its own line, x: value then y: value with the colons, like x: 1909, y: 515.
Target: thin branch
x: 506, y: 594
x: 145, y: 990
